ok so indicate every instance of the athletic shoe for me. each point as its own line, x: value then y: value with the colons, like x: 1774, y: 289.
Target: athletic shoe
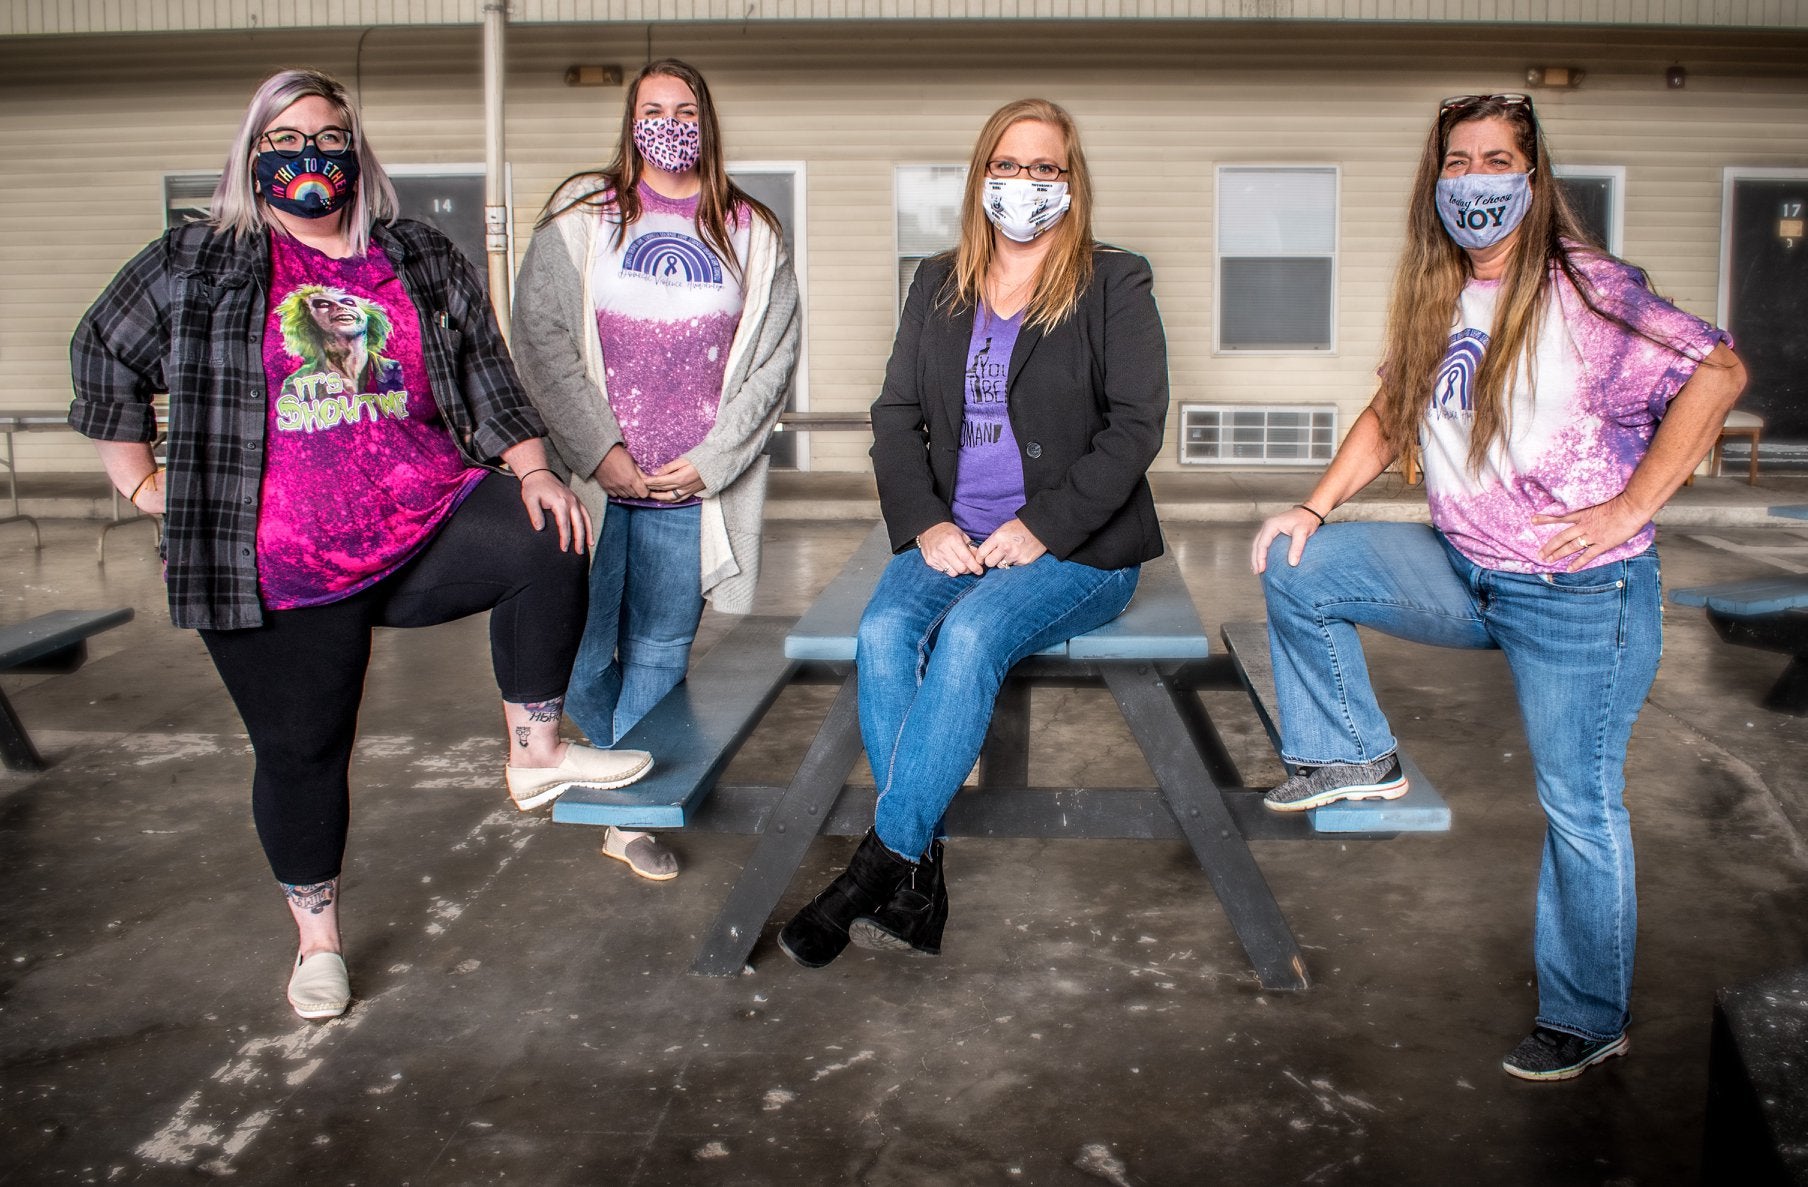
x: 1548, y: 1054
x: 1314, y: 787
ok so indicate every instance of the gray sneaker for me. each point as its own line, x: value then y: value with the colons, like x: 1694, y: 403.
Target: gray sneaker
x: 1314, y: 787
x: 1547, y: 1054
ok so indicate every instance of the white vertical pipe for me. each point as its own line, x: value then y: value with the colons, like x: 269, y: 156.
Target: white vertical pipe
x: 495, y: 180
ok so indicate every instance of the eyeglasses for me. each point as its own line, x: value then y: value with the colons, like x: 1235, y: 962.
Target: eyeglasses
x: 289, y: 143
x: 1041, y: 170
x: 1460, y: 103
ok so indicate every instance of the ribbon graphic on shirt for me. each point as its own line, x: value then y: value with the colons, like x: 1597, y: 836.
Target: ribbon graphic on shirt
x: 1452, y: 391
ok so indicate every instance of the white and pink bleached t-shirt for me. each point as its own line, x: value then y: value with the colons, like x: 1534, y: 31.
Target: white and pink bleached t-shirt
x: 666, y: 313
x: 359, y: 467
x: 1600, y: 392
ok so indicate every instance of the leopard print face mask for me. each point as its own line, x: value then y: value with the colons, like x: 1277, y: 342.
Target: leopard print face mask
x: 670, y: 144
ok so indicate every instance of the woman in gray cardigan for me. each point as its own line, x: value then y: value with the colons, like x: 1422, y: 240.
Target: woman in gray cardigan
x: 656, y: 328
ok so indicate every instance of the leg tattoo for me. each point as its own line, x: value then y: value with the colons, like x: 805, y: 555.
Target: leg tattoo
x: 314, y: 898
x: 521, y: 734
x: 543, y: 711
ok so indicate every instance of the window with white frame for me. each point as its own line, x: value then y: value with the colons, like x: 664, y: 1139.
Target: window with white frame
x: 186, y: 196
x: 1597, y: 195
x: 780, y: 186
x: 928, y: 205
x: 1277, y: 257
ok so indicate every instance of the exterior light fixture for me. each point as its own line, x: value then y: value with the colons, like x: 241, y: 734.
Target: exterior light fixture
x: 593, y: 76
x: 1557, y: 77
x: 1676, y: 78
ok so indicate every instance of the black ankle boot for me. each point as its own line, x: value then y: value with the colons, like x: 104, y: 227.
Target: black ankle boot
x: 818, y: 933
x: 912, y: 921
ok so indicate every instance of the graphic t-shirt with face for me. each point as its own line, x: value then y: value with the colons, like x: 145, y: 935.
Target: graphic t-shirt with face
x: 1581, y: 413
x: 360, y: 468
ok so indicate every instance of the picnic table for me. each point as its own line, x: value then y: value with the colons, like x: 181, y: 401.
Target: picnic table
x: 1152, y: 659
x: 1769, y: 613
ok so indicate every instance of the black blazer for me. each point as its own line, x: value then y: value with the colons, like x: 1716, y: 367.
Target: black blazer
x: 1087, y: 400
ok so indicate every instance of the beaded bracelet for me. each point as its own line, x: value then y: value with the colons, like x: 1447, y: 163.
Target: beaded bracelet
x: 1314, y: 514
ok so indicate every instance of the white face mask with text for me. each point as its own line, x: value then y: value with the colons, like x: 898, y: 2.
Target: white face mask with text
x: 1022, y: 209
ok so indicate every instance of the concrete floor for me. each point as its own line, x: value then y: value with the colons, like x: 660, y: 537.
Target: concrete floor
x: 524, y: 1011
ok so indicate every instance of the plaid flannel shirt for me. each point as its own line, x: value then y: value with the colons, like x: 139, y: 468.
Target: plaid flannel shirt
x: 186, y: 317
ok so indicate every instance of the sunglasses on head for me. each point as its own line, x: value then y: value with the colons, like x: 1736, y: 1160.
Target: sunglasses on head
x: 1461, y: 103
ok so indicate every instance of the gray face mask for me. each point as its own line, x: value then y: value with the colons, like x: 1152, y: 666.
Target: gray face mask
x: 1481, y: 209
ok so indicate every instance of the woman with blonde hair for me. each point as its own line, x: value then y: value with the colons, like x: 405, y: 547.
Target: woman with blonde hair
x: 1023, y: 403
x: 1556, y: 404
x: 305, y: 505
x: 656, y: 325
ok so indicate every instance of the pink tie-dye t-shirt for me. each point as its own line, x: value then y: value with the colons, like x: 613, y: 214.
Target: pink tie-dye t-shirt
x: 1581, y: 414
x: 359, y: 467
x: 667, y: 309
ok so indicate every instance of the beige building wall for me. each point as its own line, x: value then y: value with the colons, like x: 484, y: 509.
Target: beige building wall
x: 89, y: 125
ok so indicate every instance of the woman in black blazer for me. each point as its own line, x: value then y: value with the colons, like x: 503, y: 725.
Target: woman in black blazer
x: 1022, y: 406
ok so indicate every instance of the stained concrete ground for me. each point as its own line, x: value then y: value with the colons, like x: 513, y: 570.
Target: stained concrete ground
x: 524, y: 1011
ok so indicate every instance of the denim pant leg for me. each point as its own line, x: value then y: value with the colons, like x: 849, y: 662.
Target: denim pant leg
x: 993, y: 622
x: 595, y: 685
x: 662, y: 607
x: 1397, y: 578
x: 1584, y: 649
x: 646, y: 598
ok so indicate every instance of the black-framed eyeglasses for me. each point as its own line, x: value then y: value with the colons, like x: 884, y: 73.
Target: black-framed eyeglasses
x: 1041, y: 170
x: 1461, y: 103
x: 291, y: 143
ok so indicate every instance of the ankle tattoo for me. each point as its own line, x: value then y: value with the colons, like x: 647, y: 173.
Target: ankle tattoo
x: 521, y: 735
x: 313, y: 898
x: 544, y: 711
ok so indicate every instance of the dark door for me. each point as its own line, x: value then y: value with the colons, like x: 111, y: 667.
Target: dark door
x: 1767, y: 309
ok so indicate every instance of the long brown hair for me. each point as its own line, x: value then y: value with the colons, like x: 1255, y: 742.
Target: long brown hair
x: 1433, y: 271
x: 617, y: 184
x: 1067, y: 268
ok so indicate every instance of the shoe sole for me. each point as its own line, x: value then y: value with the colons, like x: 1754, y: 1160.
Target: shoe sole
x: 1373, y: 791
x: 870, y: 936
x: 648, y: 875
x: 319, y: 1014
x: 1573, y: 1070
x: 552, y: 793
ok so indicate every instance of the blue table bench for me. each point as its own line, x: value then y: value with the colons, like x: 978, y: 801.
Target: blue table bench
x: 55, y: 642
x: 1153, y: 659
x: 1769, y: 613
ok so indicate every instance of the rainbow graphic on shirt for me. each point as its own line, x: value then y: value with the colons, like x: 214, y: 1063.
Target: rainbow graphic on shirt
x: 672, y: 258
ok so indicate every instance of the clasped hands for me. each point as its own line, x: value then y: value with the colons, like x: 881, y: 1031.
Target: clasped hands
x: 945, y: 548
x: 622, y: 478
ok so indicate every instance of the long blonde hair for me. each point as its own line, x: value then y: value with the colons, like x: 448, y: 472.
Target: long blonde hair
x: 236, y: 206
x: 1433, y: 271
x: 1067, y: 268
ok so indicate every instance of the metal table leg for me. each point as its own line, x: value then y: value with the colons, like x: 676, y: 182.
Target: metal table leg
x: 795, y: 821
x: 1147, y: 702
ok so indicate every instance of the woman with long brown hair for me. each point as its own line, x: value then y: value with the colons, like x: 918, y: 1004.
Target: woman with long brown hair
x: 1021, y: 408
x: 656, y: 326
x: 1556, y: 403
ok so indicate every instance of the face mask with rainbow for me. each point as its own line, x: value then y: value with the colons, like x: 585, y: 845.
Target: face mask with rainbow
x: 308, y: 186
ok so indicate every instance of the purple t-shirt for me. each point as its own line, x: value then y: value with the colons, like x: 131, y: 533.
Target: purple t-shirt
x: 988, y: 485
x: 667, y: 309
x: 1584, y: 406
x: 359, y: 468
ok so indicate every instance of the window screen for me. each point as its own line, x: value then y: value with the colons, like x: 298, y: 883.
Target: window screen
x: 1277, y: 254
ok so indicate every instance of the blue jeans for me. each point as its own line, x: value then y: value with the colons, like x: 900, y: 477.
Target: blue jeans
x: 932, y: 655
x: 1583, y: 649
x: 646, y: 596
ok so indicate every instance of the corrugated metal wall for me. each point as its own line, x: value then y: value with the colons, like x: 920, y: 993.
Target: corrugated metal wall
x: 137, y: 16
x: 88, y: 127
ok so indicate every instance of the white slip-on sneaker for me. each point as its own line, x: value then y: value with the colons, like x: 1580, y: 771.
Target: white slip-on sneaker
x: 320, y: 987
x: 586, y: 766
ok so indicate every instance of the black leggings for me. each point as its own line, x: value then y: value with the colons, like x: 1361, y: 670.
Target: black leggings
x: 298, y: 679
